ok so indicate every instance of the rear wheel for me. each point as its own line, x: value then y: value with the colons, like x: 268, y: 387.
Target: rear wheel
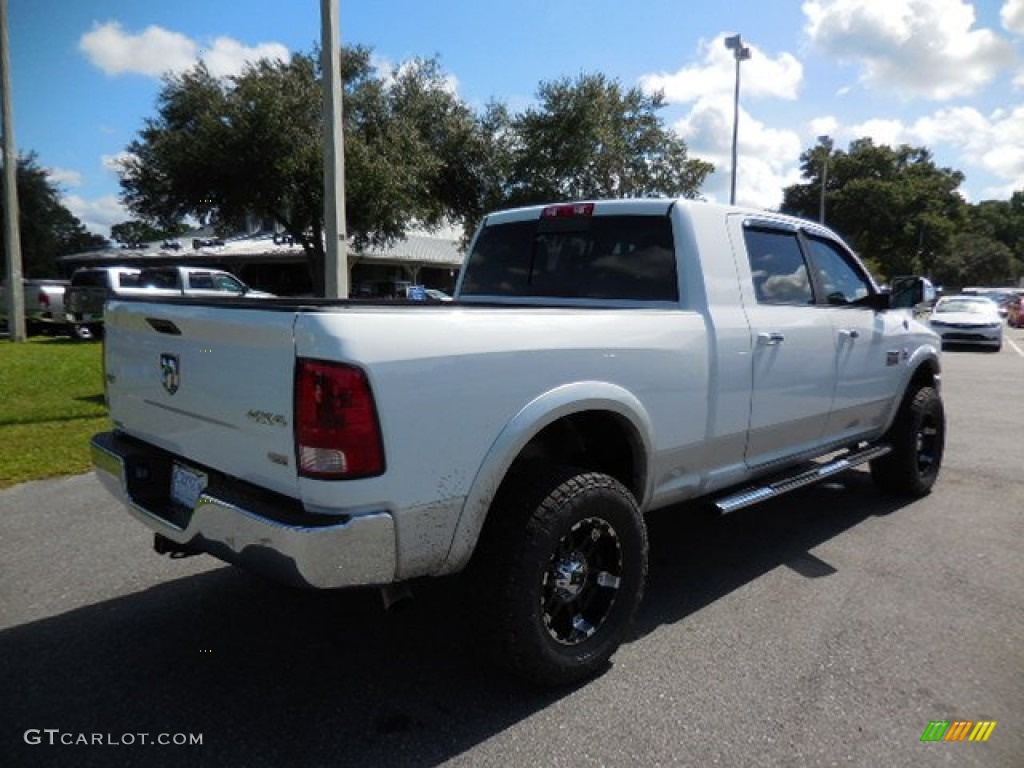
x: 563, y: 567
x: 918, y: 437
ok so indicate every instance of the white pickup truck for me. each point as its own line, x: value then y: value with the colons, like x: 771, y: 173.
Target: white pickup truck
x: 600, y: 360
x: 92, y: 287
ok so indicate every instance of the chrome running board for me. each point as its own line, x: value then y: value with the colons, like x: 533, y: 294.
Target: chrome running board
x: 780, y: 484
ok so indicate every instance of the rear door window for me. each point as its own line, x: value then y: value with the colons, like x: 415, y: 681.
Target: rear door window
x: 201, y: 281
x: 599, y: 257
x: 777, y: 266
x: 167, y: 279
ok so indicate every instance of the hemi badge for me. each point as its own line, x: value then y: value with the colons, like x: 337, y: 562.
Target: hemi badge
x: 278, y: 458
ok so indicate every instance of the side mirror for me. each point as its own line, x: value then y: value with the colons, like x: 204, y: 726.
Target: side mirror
x: 910, y: 292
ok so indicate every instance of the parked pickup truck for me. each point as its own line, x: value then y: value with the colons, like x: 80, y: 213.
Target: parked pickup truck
x: 92, y: 287
x: 600, y: 360
x: 44, y: 305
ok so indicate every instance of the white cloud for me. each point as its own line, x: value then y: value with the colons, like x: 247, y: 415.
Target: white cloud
x: 98, y: 214
x: 994, y: 143
x: 977, y: 144
x: 1012, y: 16
x: 64, y: 177
x: 156, y: 51
x: 761, y: 76
x: 767, y: 157
x: 926, y: 48
x: 827, y: 125
x: 113, y: 163
x: 881, y: 131
x: 153, y: 51
x: 388, y: 71
x: 228, y: 57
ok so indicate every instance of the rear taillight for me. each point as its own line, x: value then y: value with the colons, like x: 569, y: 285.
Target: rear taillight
x: 43, y: 299
x: 337, y: 435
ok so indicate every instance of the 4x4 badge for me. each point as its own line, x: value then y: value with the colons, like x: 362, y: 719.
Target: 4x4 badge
x: 170, y: 372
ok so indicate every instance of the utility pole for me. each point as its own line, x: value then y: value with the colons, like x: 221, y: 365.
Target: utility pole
x: 336, y: 262
x: 12, y: 235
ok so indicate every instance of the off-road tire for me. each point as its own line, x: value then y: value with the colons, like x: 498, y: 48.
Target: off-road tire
x: 561, y: 570
x: 917, y: 437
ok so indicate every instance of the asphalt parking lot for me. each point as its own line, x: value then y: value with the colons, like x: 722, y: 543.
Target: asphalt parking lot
x: 829, y: 627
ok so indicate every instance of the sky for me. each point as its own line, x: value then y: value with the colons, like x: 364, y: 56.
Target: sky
x: 943, y: 74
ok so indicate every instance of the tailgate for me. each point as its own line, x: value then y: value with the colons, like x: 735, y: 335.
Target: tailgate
x: 85, y: 302
x: 210, y: 384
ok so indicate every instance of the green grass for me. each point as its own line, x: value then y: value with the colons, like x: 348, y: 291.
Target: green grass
x: 51, y: 402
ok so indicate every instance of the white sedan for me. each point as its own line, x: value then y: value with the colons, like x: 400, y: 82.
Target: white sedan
x: 968, y: 320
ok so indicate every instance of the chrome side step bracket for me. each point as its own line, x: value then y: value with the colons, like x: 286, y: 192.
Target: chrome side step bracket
x: 804, y: 476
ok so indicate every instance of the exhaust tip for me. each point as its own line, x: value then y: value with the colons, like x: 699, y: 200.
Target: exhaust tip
x: 396, y: 597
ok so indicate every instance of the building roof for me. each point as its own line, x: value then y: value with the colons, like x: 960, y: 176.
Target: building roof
x: 417, y: 248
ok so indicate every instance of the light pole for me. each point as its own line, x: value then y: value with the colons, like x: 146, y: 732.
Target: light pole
x: 740, y: 53
x: 826, y: 143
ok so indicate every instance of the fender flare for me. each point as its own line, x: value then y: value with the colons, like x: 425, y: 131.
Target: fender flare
x: 924, y: 355
x: 542, y: 411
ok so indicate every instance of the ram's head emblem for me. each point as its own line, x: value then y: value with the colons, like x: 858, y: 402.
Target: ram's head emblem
x: 170, y: 372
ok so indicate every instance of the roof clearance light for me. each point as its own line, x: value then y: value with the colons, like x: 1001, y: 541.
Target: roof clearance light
x: 567, y: 210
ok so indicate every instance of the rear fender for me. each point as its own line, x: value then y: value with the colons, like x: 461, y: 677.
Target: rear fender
x: 579, y: 397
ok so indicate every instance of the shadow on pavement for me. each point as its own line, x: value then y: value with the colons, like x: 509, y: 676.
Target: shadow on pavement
x: 700, y: 557
x: 272, y: 676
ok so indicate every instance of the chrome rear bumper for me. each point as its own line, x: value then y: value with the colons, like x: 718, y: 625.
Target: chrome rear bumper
x: 316, y: 551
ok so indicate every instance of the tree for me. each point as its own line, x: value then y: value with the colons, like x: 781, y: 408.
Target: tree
x: 48, y: 229
x: 591, y: 138
x: 895, y: 206
x: 974, y: 259
x: 1003, y: 222
x: 220, y: 149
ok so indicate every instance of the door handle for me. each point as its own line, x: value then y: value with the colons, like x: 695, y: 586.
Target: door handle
x: 849, y: 333
x: 772, y: 339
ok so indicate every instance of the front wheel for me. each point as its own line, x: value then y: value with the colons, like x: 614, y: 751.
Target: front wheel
x: 918, y: 438
x: 566, y: 560
x: 82, y: 332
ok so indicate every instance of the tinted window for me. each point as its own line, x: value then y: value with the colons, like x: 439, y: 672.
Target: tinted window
x: 201, y: 281
x: 89, y: 278
x: 777, y: 266
x: 160, y: 278
x: 599, y: 257
x: 841, y: 280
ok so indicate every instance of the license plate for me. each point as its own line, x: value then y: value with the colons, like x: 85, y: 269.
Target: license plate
x: 187, y: 484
